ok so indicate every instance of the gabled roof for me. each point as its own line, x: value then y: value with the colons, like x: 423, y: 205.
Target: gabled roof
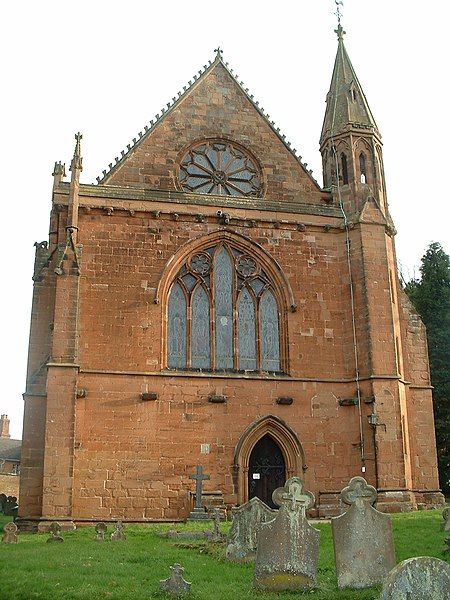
x: 10, y: 449
x: 176, y: 100
x: 347, y: 105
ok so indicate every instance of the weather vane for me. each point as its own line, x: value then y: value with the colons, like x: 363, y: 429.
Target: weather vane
x: 338, y: 13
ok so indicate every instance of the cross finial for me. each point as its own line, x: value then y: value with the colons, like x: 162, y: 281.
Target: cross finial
x: 77, y: 161
x: 340, y: 32
x: 218, y: 52
x: 358, y: 491
x: 293, y: 496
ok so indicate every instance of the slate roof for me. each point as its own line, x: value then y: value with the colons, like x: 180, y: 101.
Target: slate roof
x: 142, y: 135
x: 10, y: 449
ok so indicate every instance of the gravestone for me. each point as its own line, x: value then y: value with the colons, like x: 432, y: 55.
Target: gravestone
x: 446, y: 516
x: 100, y: 530
x: 10, y: 535
x: 175, y: 585
x: 419, y: 578
x: 118, y: 534
x: 55, y: 530
x: 216, y: 536
x: 363, y: 543
x: 3, y: 499
x: 243, y: 536
x: 288, y: 547
x: 198, y: 514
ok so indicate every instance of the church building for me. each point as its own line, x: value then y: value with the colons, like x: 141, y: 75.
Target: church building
x: 208, y: 303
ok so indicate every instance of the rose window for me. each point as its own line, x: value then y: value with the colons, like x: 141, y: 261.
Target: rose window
x: 219, y: 168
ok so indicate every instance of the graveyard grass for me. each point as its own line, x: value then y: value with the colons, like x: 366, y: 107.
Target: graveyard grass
x: 83, y: 568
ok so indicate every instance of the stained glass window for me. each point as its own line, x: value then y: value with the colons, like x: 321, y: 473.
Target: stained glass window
x: 223, y: 299
x: 222, y: 314
x: 219, y: 167
x: 246, y: 332
x: 177, y: 328
x: 269, y: 333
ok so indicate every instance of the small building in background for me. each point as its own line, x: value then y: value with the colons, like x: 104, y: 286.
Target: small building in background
x: 10, y: 450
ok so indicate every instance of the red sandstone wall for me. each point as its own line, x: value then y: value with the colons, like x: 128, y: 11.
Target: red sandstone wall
x: 133, y: 458
x: 125, y: 257
x: 420, y: 403
x: 216, y: 107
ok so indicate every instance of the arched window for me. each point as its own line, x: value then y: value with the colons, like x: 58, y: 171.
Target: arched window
x: 223, y: 314
x: 362, y: 167
x: 344, y: 169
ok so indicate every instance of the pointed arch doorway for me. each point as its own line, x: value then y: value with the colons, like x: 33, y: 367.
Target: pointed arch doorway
x: 267, y: 442
x: 266, y: 470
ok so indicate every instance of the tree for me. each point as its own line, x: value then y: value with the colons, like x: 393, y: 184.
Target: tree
x: 430, y: 296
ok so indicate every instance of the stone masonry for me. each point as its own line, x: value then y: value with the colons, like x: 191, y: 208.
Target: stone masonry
x: 111, y: 433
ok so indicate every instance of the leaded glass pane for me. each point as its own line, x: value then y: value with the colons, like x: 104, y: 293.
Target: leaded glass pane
x: 270, y: 338
x: 177, y: 329
x: 257, y: 285
x: 189, y: 281
x: 223, y: 299
x: 200, y: 335
x: 246, y: 332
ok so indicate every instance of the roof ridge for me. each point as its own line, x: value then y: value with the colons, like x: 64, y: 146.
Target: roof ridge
x: 148, y: 129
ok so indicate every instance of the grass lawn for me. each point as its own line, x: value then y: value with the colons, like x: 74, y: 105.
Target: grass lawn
x: 83, y: 568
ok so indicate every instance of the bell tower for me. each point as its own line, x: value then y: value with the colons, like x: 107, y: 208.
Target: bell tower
x: 350, y: 142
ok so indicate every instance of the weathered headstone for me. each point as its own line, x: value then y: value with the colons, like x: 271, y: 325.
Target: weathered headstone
x: 288, y: 547
x: 3, y: 499
x: 118, y: 534
x: 446, y: 516
x: 419, y: 578
x: 10, y: 535
x: 363, y: 543
x: 55, y: 530
x: 216, y: 536
x: 100, y: 530
x: 175, y: 585
x: 243, y: 536
x: 198, y: 514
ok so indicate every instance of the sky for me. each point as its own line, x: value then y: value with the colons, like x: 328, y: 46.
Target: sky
x: 105, y: 68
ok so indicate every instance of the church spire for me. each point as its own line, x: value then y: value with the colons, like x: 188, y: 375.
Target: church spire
x: 347, y: 107
x: 350, y: 141
x: 76, y: 166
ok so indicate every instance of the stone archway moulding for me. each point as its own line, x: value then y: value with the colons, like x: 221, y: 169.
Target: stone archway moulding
x: 274, y: 271
x: 243, y: 242
x: 284, y: 436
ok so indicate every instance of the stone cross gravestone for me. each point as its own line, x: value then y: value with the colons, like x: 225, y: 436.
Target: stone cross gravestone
x: 175, y: 585
x: 118, y: 534
x: 243, y: 536
x: 419, y: 578
x: 288, y: 547
x: 10, y: 535
x: 363, y: 543
x: 446, y: 516
x: 198, y: 514
x: 55, y: 530
x: 100, y: 530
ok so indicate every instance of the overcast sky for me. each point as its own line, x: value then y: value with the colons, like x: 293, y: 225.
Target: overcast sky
x: 107, y: 67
